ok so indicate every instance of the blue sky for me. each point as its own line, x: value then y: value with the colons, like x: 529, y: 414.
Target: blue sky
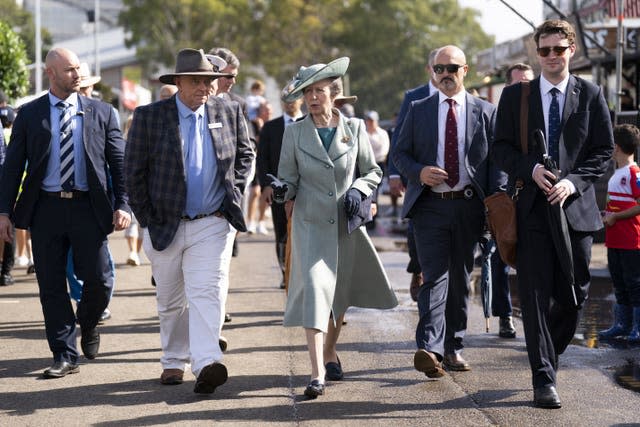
x: 499, y: 20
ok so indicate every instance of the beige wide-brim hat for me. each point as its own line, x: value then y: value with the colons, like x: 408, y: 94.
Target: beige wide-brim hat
x: 86, y: 79
x: 192, y: 62
x: 307, y: 76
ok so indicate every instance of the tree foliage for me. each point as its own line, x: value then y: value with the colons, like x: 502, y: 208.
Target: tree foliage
x: 14, y: 77
x: 22, y: 22
x: 388, y: 41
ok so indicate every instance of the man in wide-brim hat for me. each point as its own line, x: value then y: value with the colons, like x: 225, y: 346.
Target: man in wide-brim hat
x: 187, y: 162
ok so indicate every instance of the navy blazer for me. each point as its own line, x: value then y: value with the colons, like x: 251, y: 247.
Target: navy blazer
x: 417, y: 147
x: 586, y: 147
x: 270, y: 144
x: 154, y: 164
x: 30, y: 146
x: 414, y: 94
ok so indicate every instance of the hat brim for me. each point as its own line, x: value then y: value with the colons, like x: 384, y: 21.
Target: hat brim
x: 341, y: 100
x: 89, y: 81
x: 333, y: 70
x: 168, y: 79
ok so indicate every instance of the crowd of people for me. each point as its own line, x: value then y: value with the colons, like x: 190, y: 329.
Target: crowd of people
x: 202, y: 163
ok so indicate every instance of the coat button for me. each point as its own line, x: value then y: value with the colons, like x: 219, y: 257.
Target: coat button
x: 327, y: 166
x: 331, y: 221
x: 330, y: 193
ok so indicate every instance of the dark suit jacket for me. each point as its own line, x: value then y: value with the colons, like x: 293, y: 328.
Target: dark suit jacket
x: 30, y: 146
x: 588, y: 144
x: 417, y: 147
x: 154, y: 165
x: 269, y: 152
x: 411, y: 95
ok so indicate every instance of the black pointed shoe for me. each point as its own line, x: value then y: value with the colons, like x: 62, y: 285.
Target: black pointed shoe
x: 546, y: 397
x: 314, y: 389
x: 60, y: 369
x: 334, y: 371
x: 90, y: 343
x: 507, y: 329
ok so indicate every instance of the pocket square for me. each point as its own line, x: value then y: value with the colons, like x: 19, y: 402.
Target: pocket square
x: 215, y: 125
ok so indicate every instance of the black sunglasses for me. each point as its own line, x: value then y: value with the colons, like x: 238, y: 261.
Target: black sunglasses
x: 558, y: 50
x: 451, y: 68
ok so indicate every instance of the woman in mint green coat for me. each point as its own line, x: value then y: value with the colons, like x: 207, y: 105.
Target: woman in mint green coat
x: 331, y: 269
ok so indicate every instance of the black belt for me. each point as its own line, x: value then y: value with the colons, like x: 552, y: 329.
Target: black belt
x: 75, y: 194
x: 467, y: 193
x: 199, y: 216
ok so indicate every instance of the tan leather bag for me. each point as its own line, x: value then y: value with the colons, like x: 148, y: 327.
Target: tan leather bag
x: 501, y: 207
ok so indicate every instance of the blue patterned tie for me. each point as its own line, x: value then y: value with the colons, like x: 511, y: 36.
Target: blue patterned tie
x: 66, y: 146
x: 195, y: 185
x: 554, y: 126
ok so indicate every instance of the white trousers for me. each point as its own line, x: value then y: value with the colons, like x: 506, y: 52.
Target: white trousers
x: 192, y: 281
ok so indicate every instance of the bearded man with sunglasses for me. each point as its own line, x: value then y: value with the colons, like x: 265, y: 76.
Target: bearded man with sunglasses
x: 443, y: 151
x: 573, y: 115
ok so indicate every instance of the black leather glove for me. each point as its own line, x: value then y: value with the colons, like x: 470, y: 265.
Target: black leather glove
x: 352, y: 200
x: 279, y: 189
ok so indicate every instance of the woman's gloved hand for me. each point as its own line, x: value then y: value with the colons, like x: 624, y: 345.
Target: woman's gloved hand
x: 279, y: 189
x: 352, y: 200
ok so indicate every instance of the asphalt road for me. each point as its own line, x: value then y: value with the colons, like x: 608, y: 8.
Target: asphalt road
x: 268, y: 365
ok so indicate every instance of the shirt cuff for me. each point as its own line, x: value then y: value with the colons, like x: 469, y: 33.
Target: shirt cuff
x: 570, y: 185
x: 394, y: 176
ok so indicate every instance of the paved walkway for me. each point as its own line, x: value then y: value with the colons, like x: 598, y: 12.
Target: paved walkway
x: 268, y: 365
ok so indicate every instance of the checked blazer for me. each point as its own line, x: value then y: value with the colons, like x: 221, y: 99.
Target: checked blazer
x: 155, y: 172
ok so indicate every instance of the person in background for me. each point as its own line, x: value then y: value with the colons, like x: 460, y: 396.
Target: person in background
x: 190, y: 223
x: 67, y: 143
x: 500, y: 294
x: 331, y: 269
x: 622, y: 237
x: 267, y: 163
x: 7, y: 251
x: 397, y: 183
x: 255, y: 205
x: 255, y: 99
x: 574, y: 116
x: 443, y: 149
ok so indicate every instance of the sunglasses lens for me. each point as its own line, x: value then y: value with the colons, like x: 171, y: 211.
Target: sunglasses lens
x: 453, y: 68
x: 439, y: 69
x: 544, y: 51
x: 558, y: 50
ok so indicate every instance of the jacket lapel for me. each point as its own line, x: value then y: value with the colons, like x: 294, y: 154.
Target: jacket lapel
x: 343, y: 140
x: 173, y: 125
x: 571, y: 98
x: 310, y: 141
x: 432, y: 130
x: 536, y: 115
x: 473, y: 113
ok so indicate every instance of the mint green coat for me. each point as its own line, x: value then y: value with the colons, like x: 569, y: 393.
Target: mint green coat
x: 330, y: 269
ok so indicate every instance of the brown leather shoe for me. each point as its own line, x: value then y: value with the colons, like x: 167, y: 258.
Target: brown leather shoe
x: 223, y: 343
x: 455, y: 362
x: 171, y: 377
x: 428, y: 363
x: 414, y: 286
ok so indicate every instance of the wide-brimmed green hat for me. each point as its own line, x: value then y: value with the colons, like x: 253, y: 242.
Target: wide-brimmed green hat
x: 307, y: 76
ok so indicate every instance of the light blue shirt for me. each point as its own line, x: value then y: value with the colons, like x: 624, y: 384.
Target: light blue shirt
x: 213, y: 192
x: 51, y: 181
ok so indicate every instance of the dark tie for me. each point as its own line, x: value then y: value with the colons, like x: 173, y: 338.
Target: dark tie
x: 66, y: 146
x: 554, y: 126
x: 451, y: 164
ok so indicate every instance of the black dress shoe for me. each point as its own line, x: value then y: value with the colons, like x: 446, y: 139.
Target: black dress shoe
x: 90, y: 343
x: 6, y: 279
x: 314, y: 389
x: 211, y: 377
x: 455, y: 362
x: 60, y: 369
x: 507, y: 329
x: 227, y: 318
x: 546, y: 397
x: 333, y: 371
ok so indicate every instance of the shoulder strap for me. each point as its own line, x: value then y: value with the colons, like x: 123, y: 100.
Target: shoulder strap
x: 524, y: 117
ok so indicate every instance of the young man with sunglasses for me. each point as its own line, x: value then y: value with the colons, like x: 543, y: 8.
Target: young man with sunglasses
x: 573, y: 115
x: 443, y: 150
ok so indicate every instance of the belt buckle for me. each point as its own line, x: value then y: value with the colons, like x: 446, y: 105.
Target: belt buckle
x: 66, y: 194
x: 468, y: 193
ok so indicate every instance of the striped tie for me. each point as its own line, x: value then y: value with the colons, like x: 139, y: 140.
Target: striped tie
x: 66, y: 146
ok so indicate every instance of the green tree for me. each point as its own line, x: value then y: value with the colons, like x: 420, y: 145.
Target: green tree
x: 388, y: 41
x: 14, y: 77
x: 22, y: 22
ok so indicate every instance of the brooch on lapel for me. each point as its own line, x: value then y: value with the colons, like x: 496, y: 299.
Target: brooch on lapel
x: 346, y: 139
